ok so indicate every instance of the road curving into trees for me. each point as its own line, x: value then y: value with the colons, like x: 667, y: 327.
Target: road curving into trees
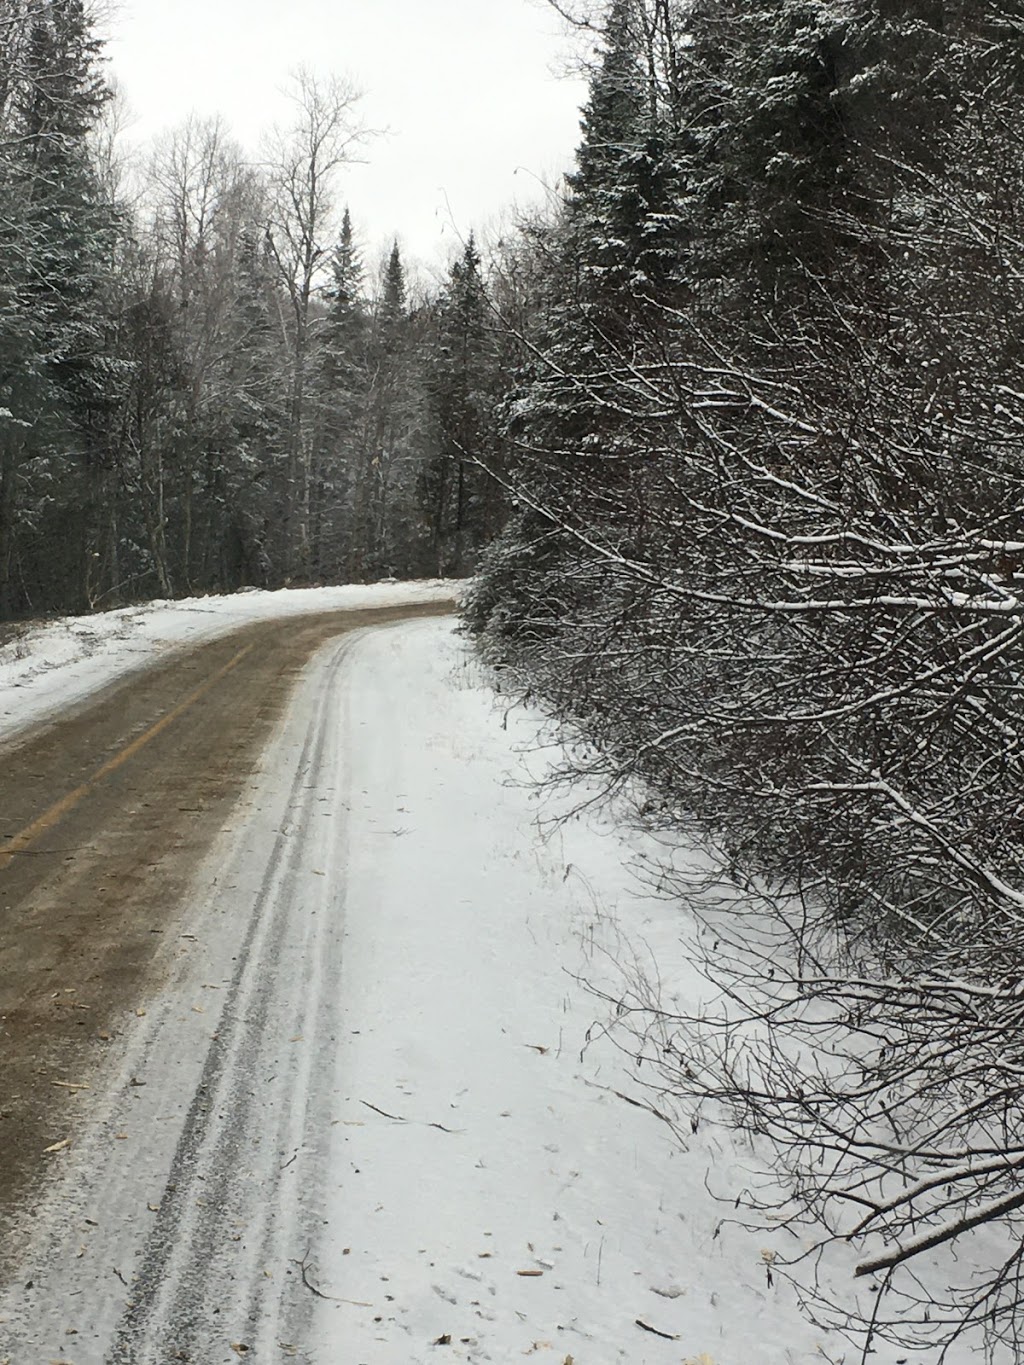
x: 105, y: 816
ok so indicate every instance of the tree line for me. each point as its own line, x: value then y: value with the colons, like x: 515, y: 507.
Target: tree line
x: 764, y: 450
x: 202, y: 384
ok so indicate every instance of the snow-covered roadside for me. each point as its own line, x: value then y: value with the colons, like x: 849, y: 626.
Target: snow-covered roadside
x: 515, y: 1207
x: 53, y: 665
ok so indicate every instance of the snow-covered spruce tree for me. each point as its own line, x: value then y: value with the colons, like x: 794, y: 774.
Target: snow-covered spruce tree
x: 386, y: 538
x: 606, y: 266
x: 342, y: 386
x: 60, y: 382
x: 463, y: 506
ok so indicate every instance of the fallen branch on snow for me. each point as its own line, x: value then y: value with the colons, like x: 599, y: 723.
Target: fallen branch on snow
x: 331, y: 1298
x: 398, y: 1118
x: 666, y: 1336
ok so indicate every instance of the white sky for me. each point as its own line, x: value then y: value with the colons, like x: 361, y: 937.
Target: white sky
x: 474, y: 93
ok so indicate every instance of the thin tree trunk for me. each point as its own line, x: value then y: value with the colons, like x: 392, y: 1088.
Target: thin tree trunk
x: 8, y: 504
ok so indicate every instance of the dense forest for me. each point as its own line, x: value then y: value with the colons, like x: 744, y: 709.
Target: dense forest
x: 766, y: 555
x: 202, y: 384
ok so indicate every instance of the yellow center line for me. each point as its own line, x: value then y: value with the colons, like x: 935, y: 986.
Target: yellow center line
x: 18, y: 843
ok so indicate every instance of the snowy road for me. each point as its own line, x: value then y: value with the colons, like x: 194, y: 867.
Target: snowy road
x: 353, y: 1126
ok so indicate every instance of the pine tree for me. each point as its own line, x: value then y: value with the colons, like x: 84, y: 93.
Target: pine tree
x: 393, y: 298
x: 70, y: 386
x: 616, y: 256
x: 619, y: 259
x: 381, y: 527
x: 345, y: 317
x: 623, y: 212
x: 344, y: 383
x: 461, y: 504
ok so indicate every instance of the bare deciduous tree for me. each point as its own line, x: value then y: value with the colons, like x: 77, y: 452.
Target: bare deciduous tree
x: 303, y: 162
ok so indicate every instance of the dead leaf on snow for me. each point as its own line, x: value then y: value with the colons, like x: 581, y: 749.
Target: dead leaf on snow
x: 532, y: 1274
x: 536, y: 1047
x: 445, y: 1340
x: 240, y: 1348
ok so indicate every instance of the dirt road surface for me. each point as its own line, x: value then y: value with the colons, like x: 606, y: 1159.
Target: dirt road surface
x: 105, y: 818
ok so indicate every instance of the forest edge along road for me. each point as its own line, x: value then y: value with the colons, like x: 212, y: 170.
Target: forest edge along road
x: 105, y: 815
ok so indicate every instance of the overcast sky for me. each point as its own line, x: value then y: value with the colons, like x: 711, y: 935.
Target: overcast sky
x: 474, y: 93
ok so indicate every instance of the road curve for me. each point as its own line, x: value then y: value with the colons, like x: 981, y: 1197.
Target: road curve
x: 105, y: 818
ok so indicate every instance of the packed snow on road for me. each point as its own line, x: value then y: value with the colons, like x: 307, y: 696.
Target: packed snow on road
x: 370, y: 1115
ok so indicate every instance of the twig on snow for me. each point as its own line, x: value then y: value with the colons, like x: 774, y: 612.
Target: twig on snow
x: 637, y: 1104
x: 666, y: 1336
x: 383, y: 1113
x: 398, y: 1118
x: 331, y: 1298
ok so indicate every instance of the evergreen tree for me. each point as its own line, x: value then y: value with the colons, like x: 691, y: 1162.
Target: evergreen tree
x: 67, y: 382
x: 623, y: 220
x: 344, y: 388
x: 393, y: 298
x: 617, y: 260
x: 461, y: 503
x: 382, y: 510
x: 346, y: 313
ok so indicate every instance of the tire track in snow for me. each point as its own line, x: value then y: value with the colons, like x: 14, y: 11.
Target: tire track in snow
x: 232, y: 1205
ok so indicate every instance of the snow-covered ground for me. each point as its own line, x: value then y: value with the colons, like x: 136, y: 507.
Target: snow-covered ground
x: 449, y: 1173
x: 546, y: 1217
